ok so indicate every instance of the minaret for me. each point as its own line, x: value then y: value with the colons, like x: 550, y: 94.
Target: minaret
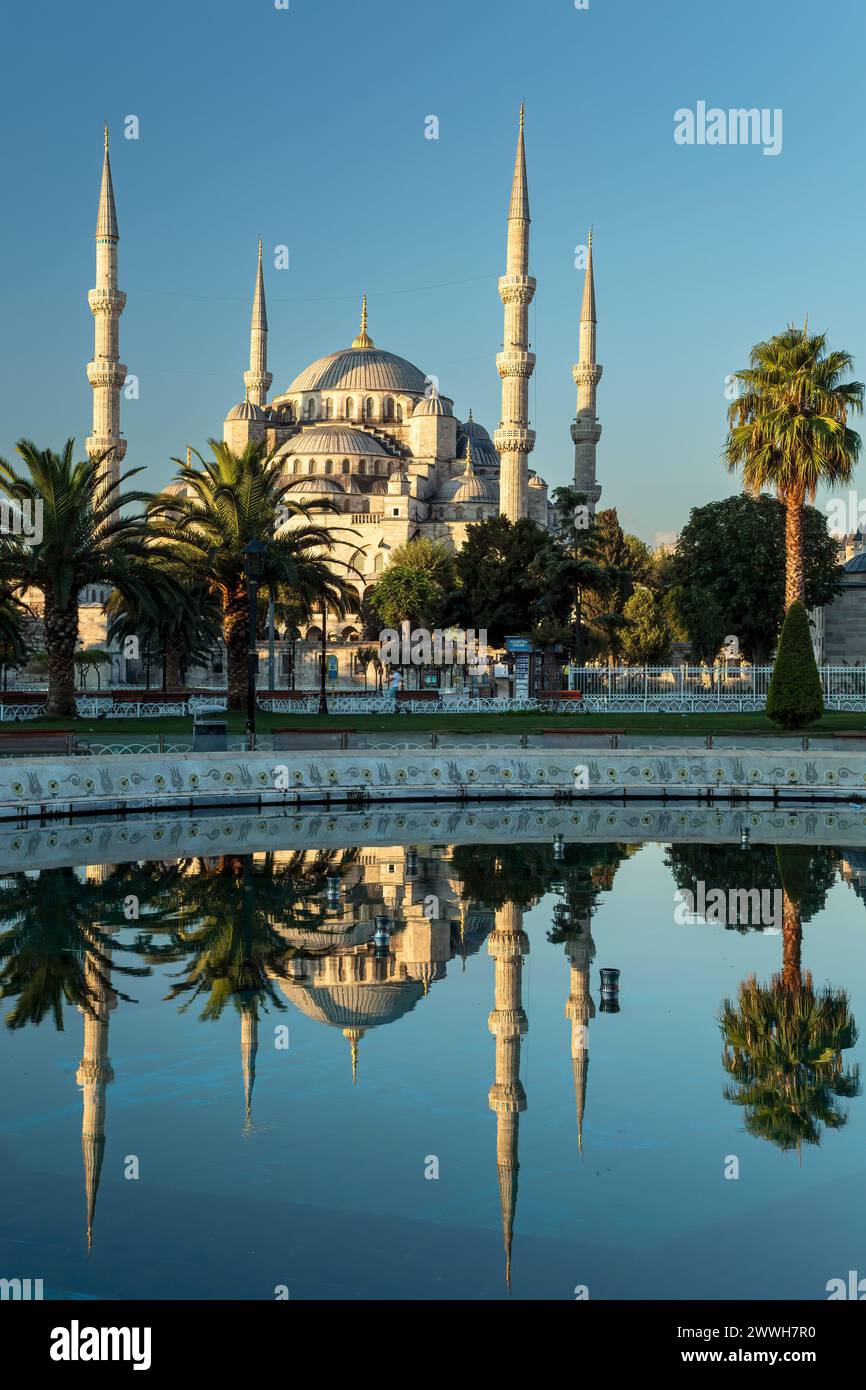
x: 106, y: 373
x: 514, y: 439
x: 94, y: 1074
x: 258, y: 379
x: 508, y: 944
x: 580, y: 950
x: 586, y: 431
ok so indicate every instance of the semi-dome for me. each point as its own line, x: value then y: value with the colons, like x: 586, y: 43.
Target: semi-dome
x: 246, y: 410
x: 333, y: 440
x: 318, y: 484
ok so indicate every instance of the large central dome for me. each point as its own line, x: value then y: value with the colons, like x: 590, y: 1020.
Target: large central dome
x: 360, y: 369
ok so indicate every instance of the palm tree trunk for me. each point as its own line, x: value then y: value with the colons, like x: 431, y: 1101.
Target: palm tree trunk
x: 795, y: 583
x: 792, y: 944
x: 236, y: 633
x: 61, y: 635
x: 173, y: 658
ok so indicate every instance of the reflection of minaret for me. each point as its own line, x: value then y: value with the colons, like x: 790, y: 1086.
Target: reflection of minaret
x: 249, y: 1048
x: 508, y: 944
x: 580, y: 950
x: 93, y: 1075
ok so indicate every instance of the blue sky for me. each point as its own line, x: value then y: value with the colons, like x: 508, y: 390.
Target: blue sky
x: 306, y: 127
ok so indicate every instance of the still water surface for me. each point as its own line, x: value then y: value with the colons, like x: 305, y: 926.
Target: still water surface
x: 216, y: 1084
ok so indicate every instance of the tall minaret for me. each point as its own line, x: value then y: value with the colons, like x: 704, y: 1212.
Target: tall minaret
x: 514, y: 439
x: 258, y: 379
x: 106, y: 373
x: 586, y: 431
x: 508, y: 944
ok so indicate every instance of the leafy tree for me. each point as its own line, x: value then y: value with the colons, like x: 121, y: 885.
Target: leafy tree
x: 499, y: 576
x: 731, y: 555
x: 795, y: 698
x: 789, y: 431
x: 172, y: 612
x: 85, y: 539
x: 416, y: 585
x: 91, y: 659
x: 647, y: 638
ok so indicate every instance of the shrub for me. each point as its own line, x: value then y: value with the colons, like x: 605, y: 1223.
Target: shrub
x: 795, y: 699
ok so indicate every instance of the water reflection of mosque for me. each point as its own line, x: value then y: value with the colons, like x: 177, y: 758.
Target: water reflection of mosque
x: 336, y: 976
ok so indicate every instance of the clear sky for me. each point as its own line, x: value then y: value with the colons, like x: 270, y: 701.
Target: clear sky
x: 306, y: 126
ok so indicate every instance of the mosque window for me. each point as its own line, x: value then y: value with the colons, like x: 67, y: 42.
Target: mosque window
x: 311, y: 409
x: 389, y: 408
x: 399, y: 413
x: 296, y: 466
x: 329, y: 465
x: 311, y: 467
x: 362, y: 467
x: 329, y: 410
x: 368, y: 408
x: 344, y: 467
x: 350, y: 408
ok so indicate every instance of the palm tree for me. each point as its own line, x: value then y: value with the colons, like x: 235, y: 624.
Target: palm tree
x: 170, y: 612
x: 82, y: 539
x: 227, y: 502
x: 789, y: 430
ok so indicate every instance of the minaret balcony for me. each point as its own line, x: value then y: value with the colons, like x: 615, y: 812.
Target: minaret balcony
x: 587, y: 373
x: 102, y: 372
x: 511, y: 439
x: 586, y: 431
x: 515, y: 362
x: 507, y: 1097
x: 98, y: 445
x: 517, y: 289
x: 104, y: 301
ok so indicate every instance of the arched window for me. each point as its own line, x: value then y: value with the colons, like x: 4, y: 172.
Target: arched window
x: 368, y: 408
x: 296, y: 466
x: 329, y: 409
x: 311, y: 467
x: 389, y: 408
x: 311, y: 410
x: 350, y: 408
x: 378, y: 563
x: 344, y: 466
x: 399, y: 413
x: 362, y: 467
x: 329, y: 465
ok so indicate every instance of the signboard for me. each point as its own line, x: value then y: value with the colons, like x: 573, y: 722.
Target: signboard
x: 521, y: 675
x: 518, y: 644
x: 332, y: 668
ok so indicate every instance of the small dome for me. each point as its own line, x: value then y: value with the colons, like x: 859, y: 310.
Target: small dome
x: 335, y: 441
x: 484, y: 453
x: 474, y: 489
x: 535, y: 481
x: 857, y: 563
x: 318, y: 485
x: 246, y: 410
x: 433, y: 404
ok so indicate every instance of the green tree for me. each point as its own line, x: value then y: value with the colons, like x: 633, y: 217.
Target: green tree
x: 795, y: 697
x: 500, y: 577
x: 170, y: 612
x: 416, y: 585
x: 647, y: 638
x: 789, y: 431
x: 732, y: 554
x: 85, y: 539
x: 225, y: 503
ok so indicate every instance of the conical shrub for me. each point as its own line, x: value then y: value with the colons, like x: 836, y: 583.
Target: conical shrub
x: 795, y: 698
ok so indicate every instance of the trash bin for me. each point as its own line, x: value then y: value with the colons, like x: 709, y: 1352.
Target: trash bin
x: 209, y: 735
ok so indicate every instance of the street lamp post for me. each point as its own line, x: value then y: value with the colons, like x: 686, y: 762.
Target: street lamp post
x: 323, y: 698
x: 254, y: 564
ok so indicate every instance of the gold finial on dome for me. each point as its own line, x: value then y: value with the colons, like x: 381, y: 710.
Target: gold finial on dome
x: 469, y: 470
x: 363, y: 339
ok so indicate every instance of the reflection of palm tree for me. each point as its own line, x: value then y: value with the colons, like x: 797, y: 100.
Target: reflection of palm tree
x: 784, y: 1041
x: 59, y: 929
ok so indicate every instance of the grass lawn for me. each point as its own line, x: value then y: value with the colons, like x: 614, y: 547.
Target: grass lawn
x: 462, y: 723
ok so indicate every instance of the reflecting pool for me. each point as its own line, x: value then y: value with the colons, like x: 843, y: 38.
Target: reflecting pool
x: 389, y: 1056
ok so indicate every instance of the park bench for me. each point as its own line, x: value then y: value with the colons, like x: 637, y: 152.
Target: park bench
x: 555, y: 696
x: 16, y: 741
